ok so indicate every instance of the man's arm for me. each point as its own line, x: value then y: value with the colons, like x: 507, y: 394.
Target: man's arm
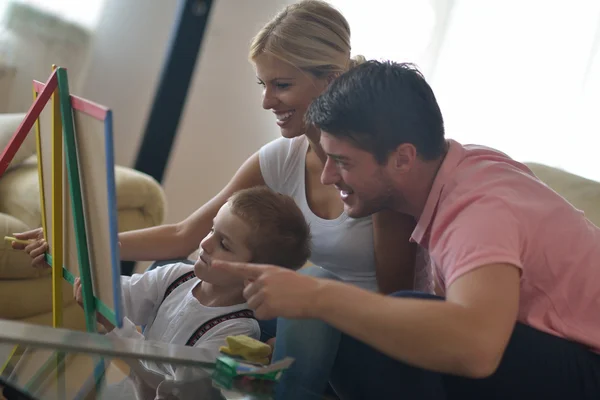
x: 465, y: 335
x: 394, y: 253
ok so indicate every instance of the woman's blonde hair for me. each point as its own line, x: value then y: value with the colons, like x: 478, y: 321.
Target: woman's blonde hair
x: 310, y: 35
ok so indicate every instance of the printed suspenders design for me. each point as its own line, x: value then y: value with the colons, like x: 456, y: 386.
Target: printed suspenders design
x: 178, y: 282
x: 198, y: 333
x: 216, y: 321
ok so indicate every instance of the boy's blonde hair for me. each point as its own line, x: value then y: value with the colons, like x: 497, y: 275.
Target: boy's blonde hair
x: 311, y: 35
x: 280, y: 233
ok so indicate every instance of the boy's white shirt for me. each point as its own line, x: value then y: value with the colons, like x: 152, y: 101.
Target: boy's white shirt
x: 176, y: 318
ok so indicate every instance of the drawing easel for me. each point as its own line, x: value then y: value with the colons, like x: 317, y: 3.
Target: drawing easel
x: 78, y: 198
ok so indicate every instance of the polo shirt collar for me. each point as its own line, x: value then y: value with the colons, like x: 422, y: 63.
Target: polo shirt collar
x: 453, y: 157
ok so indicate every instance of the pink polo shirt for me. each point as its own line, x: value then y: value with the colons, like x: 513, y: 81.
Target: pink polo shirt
x: 486, y: 208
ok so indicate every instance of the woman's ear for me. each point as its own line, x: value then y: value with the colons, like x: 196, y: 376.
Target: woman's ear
x: 332, y: 77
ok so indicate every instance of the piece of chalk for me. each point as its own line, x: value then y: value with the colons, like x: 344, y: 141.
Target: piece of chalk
x: 13, y: 239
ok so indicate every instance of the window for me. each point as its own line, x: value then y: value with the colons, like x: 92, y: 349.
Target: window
x: 400, y: 30
x: 524, y: 77
x: 520, y: 76
x: 84, y: 13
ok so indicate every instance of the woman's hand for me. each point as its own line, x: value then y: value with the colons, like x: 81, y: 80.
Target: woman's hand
x: 37, y: 248
x: 271, y: 343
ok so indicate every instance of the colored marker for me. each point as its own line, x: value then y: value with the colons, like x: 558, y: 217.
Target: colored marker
x: 21, y: 241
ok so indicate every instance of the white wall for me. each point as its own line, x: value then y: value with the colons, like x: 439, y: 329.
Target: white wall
x: 532, y: 91
x: 222, y: 123
x: 32, y: 54
x: 124, y: 65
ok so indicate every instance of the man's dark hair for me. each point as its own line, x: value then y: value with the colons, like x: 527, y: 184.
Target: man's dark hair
x: 379, y: 106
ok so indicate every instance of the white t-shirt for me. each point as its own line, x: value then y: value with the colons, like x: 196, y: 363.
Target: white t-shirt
x: 177, y: 317
x: 343, y: 245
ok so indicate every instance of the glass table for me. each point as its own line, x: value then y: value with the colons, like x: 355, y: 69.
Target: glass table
x: 40, y: 362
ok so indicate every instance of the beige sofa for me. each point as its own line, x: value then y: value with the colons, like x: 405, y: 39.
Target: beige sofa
x: 582, y: 193
x: 25, y: 292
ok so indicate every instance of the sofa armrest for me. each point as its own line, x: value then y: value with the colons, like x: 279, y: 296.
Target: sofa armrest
x: 142, y: 196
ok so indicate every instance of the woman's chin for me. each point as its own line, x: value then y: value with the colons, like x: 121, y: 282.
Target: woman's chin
x: 290, y: 134
x: 291, y: 131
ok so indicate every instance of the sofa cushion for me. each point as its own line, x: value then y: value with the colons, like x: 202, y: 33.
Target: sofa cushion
x: 19, y: 194
x: 28, y: 297
x: 72, y: 315
x: 8, y: 126
x: 136, y: 190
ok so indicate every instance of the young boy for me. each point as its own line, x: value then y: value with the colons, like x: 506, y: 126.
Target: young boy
x: 198, y: 306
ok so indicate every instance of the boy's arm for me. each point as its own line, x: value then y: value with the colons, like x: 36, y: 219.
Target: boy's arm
x: 128, y: 330
x: 102, y: 320
x: 395, y: 255
x: 213, y: 340
x: 77, y: 294
x: 194, y: 379
x: 217, y: 336
x: 143, y: 293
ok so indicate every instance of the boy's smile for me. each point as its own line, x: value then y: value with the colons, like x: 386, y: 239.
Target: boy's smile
x: 202, y: 257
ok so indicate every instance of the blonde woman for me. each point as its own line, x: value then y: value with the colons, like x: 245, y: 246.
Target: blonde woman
x: 296, y: 55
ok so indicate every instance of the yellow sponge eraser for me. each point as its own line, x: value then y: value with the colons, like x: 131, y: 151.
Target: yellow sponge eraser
x: 248, y: 348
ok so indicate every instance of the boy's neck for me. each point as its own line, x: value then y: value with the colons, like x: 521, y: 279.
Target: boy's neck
x: 210, y: 295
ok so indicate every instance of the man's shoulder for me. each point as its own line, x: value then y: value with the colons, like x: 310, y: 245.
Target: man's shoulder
x: 487, y: 182
x: 486, y: 171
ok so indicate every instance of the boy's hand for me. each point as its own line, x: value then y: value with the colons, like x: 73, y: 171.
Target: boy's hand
x: 77, y: 294
x: 36, y: 249
x: 271, y: 343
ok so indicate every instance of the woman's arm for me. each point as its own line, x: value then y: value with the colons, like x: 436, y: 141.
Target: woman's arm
x: 394, y: 254
x: 176, y: 241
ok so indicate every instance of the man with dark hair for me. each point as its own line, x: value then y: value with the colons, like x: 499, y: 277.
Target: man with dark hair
x: 516, y: 313
x: 380, y: 108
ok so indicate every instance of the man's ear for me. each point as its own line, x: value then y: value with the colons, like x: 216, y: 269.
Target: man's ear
x: 403, y: 158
